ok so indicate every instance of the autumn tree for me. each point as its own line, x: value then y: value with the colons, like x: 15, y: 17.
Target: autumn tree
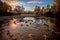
x: 43, y: 10
x: 1, y: 5
x: 54, y: 8
x: 19, y: 9
x: 6, y: 7
x: 48, y: 8
x: 57, y: 2
x: 37, y: 9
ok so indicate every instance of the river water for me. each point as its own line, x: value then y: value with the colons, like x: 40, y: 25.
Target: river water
x: 27, y: 28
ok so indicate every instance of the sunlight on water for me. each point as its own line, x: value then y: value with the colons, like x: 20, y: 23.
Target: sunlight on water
x: 14, y: 25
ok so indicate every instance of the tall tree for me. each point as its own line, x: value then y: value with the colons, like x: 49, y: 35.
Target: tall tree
x: 54, y: 8
x: 9, y: 9
x: 43, y: 10
x: 1, y: 5
x: 48, y: 8
x: 4, y: 6
x: 19, y: 9
x: 37, y: 9
x: 57, y: 2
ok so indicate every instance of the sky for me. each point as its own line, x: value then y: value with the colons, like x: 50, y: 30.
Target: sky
x: 29, y: 4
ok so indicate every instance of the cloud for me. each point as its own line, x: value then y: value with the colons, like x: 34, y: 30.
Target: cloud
x: 14, y: 3
x: 39, y: 2
x: 8, y: 0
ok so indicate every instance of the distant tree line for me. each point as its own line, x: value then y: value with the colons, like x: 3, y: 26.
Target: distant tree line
x: 6, y: 9
x: 49, y: 11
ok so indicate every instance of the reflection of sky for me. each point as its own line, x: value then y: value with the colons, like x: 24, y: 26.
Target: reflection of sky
x: 30, y: 4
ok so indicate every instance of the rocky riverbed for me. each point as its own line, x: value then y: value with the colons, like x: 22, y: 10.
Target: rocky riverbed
x: 27, y: 28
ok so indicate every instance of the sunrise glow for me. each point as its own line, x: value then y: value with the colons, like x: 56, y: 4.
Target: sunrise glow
x: 13, y: 3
